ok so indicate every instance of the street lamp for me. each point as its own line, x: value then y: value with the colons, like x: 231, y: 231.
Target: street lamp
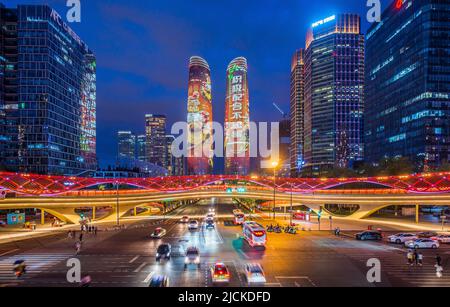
x: 117, y: 203
x: 274, y: 166
x: 290, y: 214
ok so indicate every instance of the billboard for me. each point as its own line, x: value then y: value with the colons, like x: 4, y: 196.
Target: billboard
x: 15, y: 218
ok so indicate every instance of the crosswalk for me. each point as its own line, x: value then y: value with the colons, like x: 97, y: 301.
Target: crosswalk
x: 396, y: 268
x: 36, y: 263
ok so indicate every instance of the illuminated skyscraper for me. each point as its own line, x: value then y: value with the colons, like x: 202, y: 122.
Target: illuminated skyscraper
x: 141, y: 141
x: 334, y: 93
x: 126, y: 145
x: 47, y: 94
x: 408, y: 84
x: 237, y: 119
x: 199, y: 118
x: 155, y: 130
x: 297, y: 104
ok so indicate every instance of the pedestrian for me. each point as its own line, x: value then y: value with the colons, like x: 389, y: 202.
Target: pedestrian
x: 410, y: 256
x: 416, y: 257
x: 81, y: 237
x: 439, y: 271
x: 95, y: 230
x: 420, y: 259
x: 438, y: 260
x: 338, y: 231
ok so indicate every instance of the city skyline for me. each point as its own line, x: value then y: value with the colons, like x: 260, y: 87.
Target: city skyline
x: 160, y: 85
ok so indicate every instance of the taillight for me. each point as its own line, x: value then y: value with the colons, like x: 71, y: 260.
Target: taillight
x: 259, y: 233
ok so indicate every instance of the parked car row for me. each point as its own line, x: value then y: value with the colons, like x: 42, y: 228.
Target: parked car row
x: 428, y: 239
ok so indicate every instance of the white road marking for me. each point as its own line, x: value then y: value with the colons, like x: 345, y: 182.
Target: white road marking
x: 11, y: 251
x: 149, y: 276
x: 134, y: 259
x: 140, y: 267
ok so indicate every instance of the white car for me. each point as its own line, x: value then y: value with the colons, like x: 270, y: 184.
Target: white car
x: 193, y: 225
x: 442, y: 238
x: 422, y: 243
x: 209, y: 216
x: 158, y: 233
x: 402, y: 238
x: 255, y: 274
x: 192, y: 257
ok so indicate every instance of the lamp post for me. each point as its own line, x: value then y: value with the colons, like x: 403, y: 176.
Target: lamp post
x: 274, y: 165
x: 117, y: 203
x: 290, y: 214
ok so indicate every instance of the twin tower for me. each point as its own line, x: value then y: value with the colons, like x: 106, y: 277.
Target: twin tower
x: 200, y: 119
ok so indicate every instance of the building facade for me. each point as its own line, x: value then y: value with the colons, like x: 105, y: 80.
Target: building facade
x: 141, y: 141
x: 296, y: 115
x: 408, y: 84
x: 237, y: 119
x: 126, y: 145
x: 199, y: 118
x: 334, y: 94
x: 49, y: 103
x: 175, y: 165
x: 155, y: 131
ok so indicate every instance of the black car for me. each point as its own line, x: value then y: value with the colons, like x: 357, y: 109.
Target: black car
x: 427, y: 234
x: 369, y: 235
x: 163, y: 251
x: 159, y: 282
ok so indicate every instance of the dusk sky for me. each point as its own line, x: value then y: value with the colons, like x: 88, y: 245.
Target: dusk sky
x: 143, y: 49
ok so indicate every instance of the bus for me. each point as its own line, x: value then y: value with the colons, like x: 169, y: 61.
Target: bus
x: 255, y: 234
x: 239, y: 217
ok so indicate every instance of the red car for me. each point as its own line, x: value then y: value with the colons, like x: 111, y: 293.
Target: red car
x: 220, y: 273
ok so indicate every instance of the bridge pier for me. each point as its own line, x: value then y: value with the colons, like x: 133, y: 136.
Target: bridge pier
x: 417, y: 213
x: 93, y: 213
x: 42, y: 217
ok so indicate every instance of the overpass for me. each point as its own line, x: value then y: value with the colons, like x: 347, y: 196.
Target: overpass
x: 60, y: 195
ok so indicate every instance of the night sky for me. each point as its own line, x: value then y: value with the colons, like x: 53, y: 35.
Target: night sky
x: 143, y: 49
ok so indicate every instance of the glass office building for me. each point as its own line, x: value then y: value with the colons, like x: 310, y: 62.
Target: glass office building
x: 408, y: 83
x: 53, y: 119
x: 334, y: 93
x: 155, y: 131
x: 126, y: 145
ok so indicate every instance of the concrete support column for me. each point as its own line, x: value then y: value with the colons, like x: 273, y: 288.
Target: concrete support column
x: 42, y: 216
x: 135, y: 211
x: 417, y: 213
x: 93, y: 213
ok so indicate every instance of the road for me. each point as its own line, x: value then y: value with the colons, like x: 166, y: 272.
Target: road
x: 126, y: 258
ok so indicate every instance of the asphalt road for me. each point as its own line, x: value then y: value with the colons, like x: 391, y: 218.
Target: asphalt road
x: 126, y: 258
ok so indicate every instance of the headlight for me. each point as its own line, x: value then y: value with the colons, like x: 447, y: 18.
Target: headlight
x: 186, y: 260
x: 197, y: 259
x: 157, y: 255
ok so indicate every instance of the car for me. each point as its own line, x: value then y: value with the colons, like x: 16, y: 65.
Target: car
x: 209, y: 224
x: 402, y: 238
x: 192, y: 257
x: 158, y: 233
x: 193, y: 225
x: 209, y: 216
x: 442, y: 238
x: 255, y: 274
x: 163, y: 251
x: 184, y: 219
x: 369, y: 235
x: 220, y: 273
x: 427, y: 234
x: 422, y: 243
x: 159, y: 281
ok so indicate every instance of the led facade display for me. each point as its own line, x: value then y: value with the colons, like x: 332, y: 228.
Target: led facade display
x: 237, y: 119
x: 199, y: 118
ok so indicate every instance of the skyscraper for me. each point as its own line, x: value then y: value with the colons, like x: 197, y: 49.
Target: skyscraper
x: 199, y: 118
x: 155, y: 131
x: 334, y: 93
x: 408, y: 84
x: 297, y: 102
x: 175, y: 165
x: 49, y: 101
x: 141, y: 141
x: 237, y: 119
x: 126, y: 145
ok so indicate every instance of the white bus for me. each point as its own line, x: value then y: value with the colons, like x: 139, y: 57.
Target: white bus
x: 255, y: 234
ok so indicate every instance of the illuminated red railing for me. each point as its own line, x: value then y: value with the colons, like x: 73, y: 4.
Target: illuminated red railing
x: 30, y: 184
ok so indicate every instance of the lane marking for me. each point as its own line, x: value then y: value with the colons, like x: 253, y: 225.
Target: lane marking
x: 140, y: 267
x: 149, y: 276
x: 134, y: 259
x: 11, y: 251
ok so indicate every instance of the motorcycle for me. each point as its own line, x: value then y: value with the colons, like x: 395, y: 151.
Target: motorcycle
x: 270, y: 228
